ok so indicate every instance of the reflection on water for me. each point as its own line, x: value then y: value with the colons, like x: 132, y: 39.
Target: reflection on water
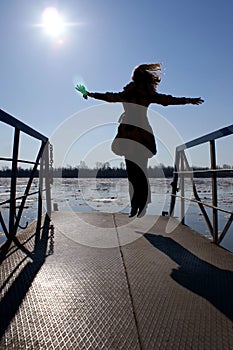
x: 111, y: 195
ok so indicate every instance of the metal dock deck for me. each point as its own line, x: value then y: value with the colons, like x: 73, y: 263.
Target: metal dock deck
x: 104, y: 281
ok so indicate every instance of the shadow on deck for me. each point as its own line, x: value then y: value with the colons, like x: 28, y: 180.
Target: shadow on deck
x: 197, y: 275
x: 21, y: 269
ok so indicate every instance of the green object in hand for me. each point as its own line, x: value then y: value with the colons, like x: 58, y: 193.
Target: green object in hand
x: 82, y: 89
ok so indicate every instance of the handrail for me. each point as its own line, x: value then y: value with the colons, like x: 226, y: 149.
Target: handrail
x: 15, y: 123
x: 228, y: 170
x: 183, y: 169
x: 23, y: 196
x: 43, y: 160
x: 208, y: 137
x: 203, y: 203
x: 19, y: 160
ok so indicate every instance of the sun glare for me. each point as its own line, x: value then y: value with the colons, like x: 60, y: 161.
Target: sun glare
x: 53, y: 22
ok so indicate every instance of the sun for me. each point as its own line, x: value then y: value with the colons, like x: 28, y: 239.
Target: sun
x: 53, y: 22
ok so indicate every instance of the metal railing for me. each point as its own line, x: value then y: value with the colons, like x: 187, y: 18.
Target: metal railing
x: 182, y: 169
x: 42, y: 163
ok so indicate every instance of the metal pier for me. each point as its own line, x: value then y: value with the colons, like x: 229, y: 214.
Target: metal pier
x: 103, y: 281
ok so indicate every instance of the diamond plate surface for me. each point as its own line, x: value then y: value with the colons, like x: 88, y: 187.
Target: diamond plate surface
x: 182, y: 289
x: 155, y: 291
x: 76, y: 298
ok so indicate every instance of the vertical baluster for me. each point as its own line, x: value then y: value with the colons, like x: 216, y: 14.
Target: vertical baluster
x: 47, y: 179
x: 174, y: 184
x: 12, y: 229
x: 40, y: 194
x: 214, y: 190
x: 182, y: 204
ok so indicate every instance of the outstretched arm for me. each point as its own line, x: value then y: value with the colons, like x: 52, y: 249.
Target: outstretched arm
x: 166, y: 100
x: 107, y: 96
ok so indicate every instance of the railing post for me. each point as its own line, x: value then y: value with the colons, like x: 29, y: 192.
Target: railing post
x: 174, y: 184
x: 40, y: 193
x: 182, y: 204
x: 47, y: 178
x: 12, y: 230
x: 214, y: 190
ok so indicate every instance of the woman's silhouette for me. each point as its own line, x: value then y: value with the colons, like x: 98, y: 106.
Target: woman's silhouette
x: 135, y: 140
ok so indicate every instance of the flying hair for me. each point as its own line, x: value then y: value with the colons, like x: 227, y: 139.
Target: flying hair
x: 147, y: 73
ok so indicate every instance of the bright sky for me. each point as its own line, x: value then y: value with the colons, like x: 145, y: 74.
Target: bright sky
x: 98, y: 43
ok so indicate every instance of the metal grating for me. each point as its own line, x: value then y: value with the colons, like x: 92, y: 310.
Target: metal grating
x: 76, y: 298
x: 160, y: 291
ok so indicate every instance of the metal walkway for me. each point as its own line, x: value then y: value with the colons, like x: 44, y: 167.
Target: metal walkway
x: 103, y: 281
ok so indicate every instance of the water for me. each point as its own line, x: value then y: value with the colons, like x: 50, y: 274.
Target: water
x: 111, y: 195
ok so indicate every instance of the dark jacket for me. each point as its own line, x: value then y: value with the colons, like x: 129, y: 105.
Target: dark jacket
x: 134, y: 124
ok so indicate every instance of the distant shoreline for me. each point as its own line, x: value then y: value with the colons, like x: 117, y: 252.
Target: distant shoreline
x: 108, y: 172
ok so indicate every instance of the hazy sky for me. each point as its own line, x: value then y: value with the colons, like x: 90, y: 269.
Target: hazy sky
x: 99, y: 45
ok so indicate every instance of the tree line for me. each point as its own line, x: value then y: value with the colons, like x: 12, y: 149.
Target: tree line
x: 106, y: 171
x: 86, y: 172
